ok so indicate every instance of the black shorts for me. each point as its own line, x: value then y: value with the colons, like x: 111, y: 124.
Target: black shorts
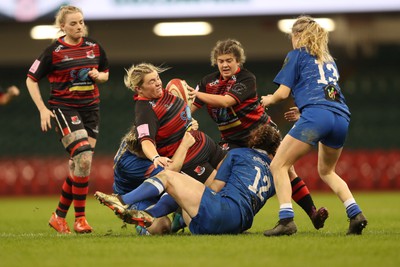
x: 71, y: 120
x: 229, y: 144
x: 202, y: 166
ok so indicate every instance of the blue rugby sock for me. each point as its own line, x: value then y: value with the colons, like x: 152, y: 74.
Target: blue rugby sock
x: 151, y: 187
x: 163, y: 207
x: 286, y: 211
x: 352, y: 209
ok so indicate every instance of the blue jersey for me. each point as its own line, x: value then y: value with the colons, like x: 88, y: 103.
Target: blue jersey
x: 249, y: 181
x: 312, y: 83
x: 130, y: 170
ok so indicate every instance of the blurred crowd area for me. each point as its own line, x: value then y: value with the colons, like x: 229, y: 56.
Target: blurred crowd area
x: 371, y: 86
x: 363, y: 170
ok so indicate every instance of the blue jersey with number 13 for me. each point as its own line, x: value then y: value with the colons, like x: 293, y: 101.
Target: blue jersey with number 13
x: 312, y: 83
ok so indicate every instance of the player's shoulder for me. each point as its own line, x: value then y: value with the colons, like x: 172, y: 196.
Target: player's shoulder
x: 245, y: 74
x: 129, y: 159
x: 143, y: 107
x: 240, y: 151
x: 300, y: 53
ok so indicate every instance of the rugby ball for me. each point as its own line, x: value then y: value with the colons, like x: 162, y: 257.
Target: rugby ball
x: 180, y: 89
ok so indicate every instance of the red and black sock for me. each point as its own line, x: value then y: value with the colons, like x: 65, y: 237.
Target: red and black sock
x: 301, y: 195
x: 80, y: 189
x: 65, y: 198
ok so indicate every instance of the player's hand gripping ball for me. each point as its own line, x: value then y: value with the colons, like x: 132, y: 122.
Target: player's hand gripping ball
x: 180, y: 89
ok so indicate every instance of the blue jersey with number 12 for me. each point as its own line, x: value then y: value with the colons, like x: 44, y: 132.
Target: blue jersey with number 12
x: 248, y: 181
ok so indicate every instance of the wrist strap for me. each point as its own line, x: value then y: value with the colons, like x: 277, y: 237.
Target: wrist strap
x: 154, y: 158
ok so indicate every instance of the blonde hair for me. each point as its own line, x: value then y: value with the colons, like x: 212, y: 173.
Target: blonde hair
x: 63, y: 12
x: 312, y: 37
x: 130, y: 139
x: 228, y: 46
x: 129, y: 143
x: 135, y: 74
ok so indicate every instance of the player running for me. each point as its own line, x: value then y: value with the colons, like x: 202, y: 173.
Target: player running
x: 311, y: 76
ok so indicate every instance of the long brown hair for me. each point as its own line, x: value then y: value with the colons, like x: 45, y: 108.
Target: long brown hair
x: 265, y: 137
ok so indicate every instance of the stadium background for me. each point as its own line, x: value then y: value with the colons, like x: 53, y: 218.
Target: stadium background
x: 366, y: 46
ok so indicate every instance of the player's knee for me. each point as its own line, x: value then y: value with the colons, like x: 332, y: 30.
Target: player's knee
x: 83, y: 162
x: 85, y: 159
x: 71, y: 164
x: 324, y: 171
x: 165, y: 176
x: 274, y: 166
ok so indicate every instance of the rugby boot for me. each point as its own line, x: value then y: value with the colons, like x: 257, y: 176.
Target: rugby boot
x: 59, y: 224
x: 283, y: 227
x: 138, y: 217
x: 319, y: 217
x: 357, y: 224
x: 81, y: 226
x: 113, y: 202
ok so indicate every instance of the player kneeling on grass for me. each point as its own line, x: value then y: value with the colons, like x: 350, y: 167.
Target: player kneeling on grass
x: 242, y: 186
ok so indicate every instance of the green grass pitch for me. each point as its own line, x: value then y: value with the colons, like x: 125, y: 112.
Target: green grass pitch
x: 27, y: 240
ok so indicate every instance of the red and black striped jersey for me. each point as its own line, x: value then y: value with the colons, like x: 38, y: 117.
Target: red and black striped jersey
x: 235, y: 123
x: 66, y: 67
x: 164, y: 122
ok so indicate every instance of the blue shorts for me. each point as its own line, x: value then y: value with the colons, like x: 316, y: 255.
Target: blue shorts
x: 320, y: 125
x: 217, y: 215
